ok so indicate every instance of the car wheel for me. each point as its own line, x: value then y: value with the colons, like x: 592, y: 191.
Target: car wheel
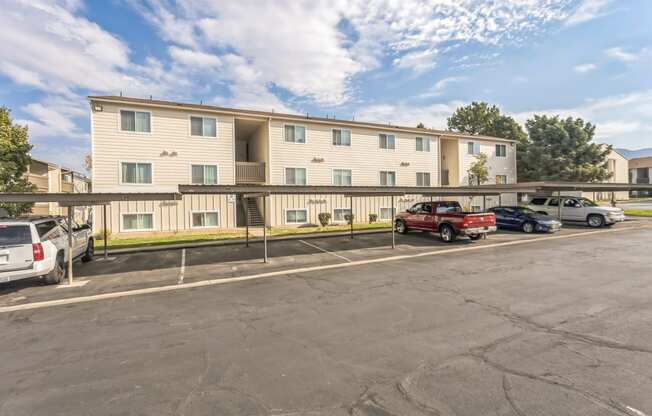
x: 595, y: 221
x: 401, y: 227
x: 528, y: 227
x: 475, y: 236
x: 90, y: 251
x: 447, y: 233
x: 58, y: 273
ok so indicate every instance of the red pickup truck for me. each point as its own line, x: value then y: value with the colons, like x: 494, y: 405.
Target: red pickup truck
x: 446, y: 218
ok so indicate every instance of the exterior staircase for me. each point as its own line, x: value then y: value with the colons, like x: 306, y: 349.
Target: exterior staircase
x: 254, y: 216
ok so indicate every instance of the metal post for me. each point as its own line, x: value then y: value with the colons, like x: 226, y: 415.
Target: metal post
x: 265, y: 226
x: 392, y: 211
x: 351, y: 214
x: 70, y: 209
x: 246, y: 204
x: 500, y: 200
x: 484, y: 202
x: 106, y: 253
x: 613, y: 199
x: 559, y: 202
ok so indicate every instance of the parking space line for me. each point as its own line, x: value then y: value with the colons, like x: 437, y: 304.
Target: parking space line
x: 221, y: 281
x: 183, y: 267
x: 325, y: 251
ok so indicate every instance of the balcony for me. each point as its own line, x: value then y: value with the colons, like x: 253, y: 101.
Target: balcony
x: 41, y: 181
x: 249, y: 172
x: 643, y: 180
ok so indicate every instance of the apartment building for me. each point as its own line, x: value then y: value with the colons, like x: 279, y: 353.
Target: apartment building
x: 618, y: 167
x: 640, y: 171
x: 141, y: 145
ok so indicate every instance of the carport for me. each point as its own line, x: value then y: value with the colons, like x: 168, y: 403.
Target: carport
x: 72, y: 200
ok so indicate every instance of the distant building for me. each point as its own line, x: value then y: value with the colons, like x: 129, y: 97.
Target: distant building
x: 640, y: 171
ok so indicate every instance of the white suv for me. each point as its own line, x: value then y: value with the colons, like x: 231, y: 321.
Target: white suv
x: 38, y: 247
x: 578, y: 209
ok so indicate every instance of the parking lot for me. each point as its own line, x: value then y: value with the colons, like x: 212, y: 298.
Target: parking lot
x: 515, y: 324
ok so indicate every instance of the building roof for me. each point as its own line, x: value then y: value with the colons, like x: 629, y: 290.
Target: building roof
x: 286, y: 116
x: 640, y: 162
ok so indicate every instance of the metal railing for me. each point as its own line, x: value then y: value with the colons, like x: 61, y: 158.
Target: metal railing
x: 42, y: 182
x: 643, y: 180
x: 249, y: 172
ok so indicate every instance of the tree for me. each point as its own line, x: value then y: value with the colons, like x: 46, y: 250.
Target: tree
x: 563, y: 150
x: 421, y: 126
x: 14, y: 161
x: 88, y: 163
x: 478, y: 171
x: 483, y: 119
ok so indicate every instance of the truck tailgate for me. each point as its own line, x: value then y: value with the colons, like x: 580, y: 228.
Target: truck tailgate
x: 481, y: 219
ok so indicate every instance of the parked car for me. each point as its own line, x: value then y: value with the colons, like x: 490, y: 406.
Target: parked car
x: 446, y: 218
x: 38, y: 247
x: 524, y: 219
x: 578, y: 209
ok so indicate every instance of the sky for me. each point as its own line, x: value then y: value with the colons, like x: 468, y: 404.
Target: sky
x: 398, y: 61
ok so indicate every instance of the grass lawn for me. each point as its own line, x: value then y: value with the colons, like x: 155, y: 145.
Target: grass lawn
x: 639, y: 212
x: 162, y: 240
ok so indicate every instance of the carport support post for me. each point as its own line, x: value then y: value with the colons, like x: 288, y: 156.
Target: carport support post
x: 351, y: 216
x: 70, y: 210
x: 246, y: 204
x: 106, y: 254
x: 265, y: 226
x: 484, y: 202
x: 559, y: 202
x: 392, y: 211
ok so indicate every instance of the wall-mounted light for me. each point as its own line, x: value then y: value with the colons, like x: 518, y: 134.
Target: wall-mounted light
x: 97, y: 108
x: 164, y: 153
x: 317, y: 159
x: 173, y: 153
x: 405, y: 164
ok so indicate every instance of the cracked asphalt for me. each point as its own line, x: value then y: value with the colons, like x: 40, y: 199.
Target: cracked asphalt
x: 559, y: 327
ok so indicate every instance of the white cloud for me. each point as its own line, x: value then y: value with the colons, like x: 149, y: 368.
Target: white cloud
x: 195, y: 60
x: 418, y: 61
x: 589, y: 10
x: 440, y: 86
x: 405, y: 114
x: 584, y: 68
x: 621, y: 54
x: 55, y: 118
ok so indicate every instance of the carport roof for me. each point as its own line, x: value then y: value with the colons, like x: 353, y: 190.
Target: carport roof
x: 584, y: 186
x: 91, y: 198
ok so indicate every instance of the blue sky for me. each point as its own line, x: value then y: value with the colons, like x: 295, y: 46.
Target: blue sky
x: 402, y: 62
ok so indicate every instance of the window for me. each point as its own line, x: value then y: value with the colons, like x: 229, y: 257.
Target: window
x: 15, y: 234
x: 387, y: 178
x: 473, y: 148
x: 538, y: 201
x: 136, y: 121
x: 296, y: 216
x: 423, y: 178
x: 341, y: 137
x: 45, y: 227
x: 295, y: 176
x: 137, y: 222
x: 205, y: 219
x: 387, y: 214
x: 501, y: 150
x: 203, y: 174
x: 136, y: 173
x: 554, y: 202
x: 295, y: 134
x: 203, y: 126
x: 386, y: 141
x: 501, y: 179
x: 339, y: 214
x: 342, y: 177
x: 448, y: 207
x: 423, y: 144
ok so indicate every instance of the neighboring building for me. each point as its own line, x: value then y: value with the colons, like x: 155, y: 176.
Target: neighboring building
x: 640, y: 171
x: 618, y: 167
x: 153, y: 146
x: 51, y: 178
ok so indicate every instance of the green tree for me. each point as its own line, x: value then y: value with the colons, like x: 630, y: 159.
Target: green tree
x: 14, y: 161
x: 563, y: 150
x: 478, y: 172
x: 421, y: 126
x: 479, y: 118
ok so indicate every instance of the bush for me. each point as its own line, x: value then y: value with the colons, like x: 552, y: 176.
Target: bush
x: 349, y: 218
x: 99, y: 236
x: 373, y: 218
x: 324, y: 218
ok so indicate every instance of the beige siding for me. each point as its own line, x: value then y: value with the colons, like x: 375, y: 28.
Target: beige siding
x: 170, y: 132
x: 618, y: 166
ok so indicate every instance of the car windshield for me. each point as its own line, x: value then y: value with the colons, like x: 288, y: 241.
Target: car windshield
x: 587, y: 202
x: 525, y: 210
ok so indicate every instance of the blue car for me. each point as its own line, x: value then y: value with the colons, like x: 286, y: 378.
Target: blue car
x: 524, y: 219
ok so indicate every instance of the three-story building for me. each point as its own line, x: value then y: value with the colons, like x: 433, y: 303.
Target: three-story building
x: 141, y: 145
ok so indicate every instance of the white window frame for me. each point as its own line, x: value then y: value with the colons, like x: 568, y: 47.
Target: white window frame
x: 285, y: 216
x: 380, y: 176
x: 120, y: 162
x: 496, y: 149
x: 122, y: 224
x: 424, y: 139
x: 151, y: 121
x: 285, y: 176
x: 333, y: 176
x: 417, y: 178
x: 387, y: 148
x: 342, y: 221
x: 474, y: 147
x: 204, y: 212
x: 342, y: 145
x: 380, y: 210
x: 506, y: 179
x: 191, y: 164
x: 202, y: 126
x: 305, y: 127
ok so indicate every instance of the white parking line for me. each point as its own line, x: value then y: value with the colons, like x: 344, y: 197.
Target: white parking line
x: 213, y: 282
x: 325, y: 251
x: 183, y: 266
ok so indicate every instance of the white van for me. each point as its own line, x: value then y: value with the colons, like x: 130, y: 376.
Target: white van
x: 38, y: 247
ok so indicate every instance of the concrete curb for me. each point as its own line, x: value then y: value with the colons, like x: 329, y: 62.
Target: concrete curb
x: 99, y: 250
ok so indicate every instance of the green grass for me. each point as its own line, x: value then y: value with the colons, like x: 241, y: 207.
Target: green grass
x: 639, y: 212
x: 162, y: 240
